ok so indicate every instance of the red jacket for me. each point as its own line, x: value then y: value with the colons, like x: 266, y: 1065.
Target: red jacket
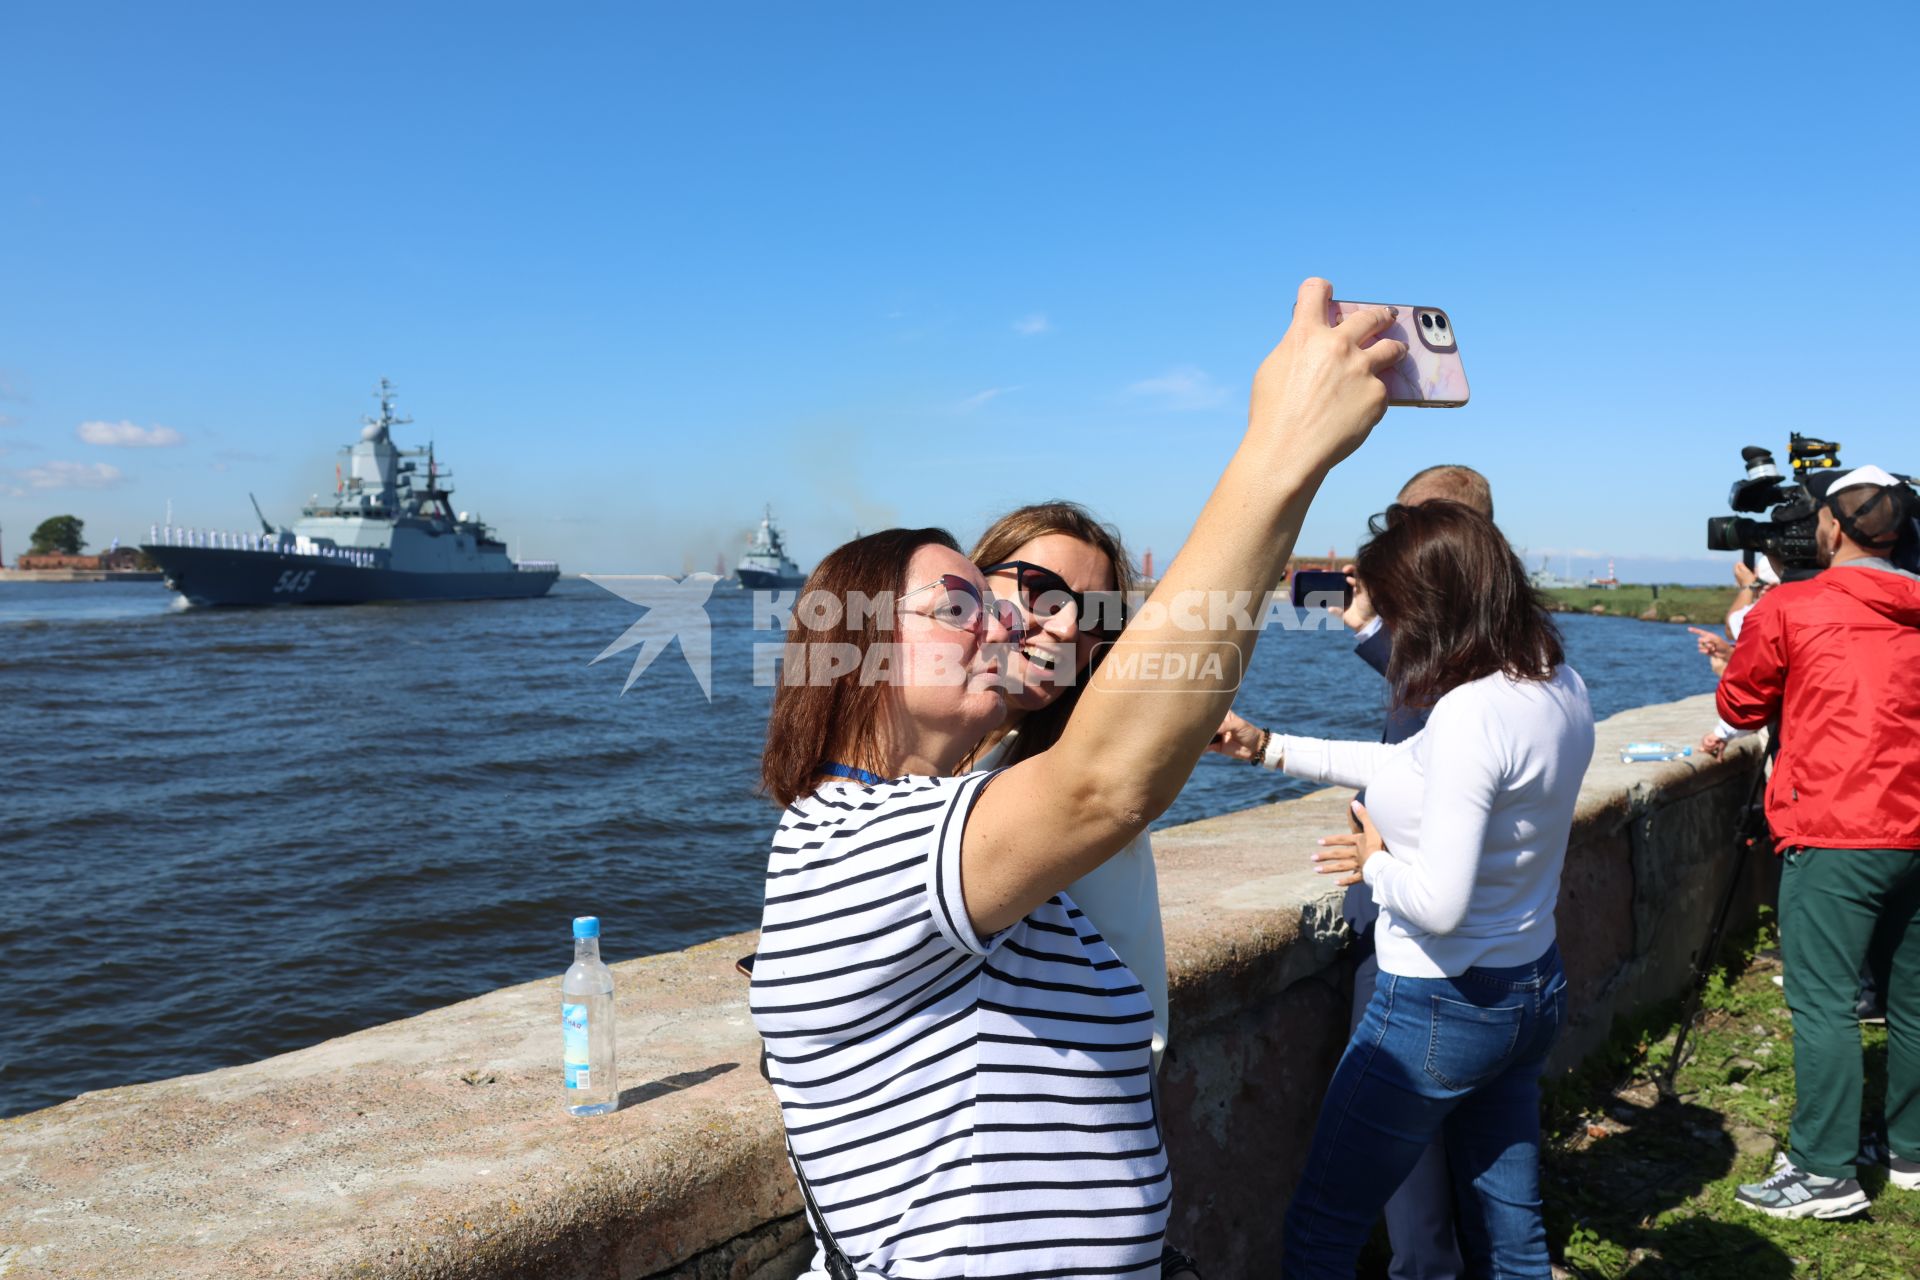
x: 1835, y: 662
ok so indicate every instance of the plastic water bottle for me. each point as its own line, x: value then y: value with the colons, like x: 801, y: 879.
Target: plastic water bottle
x: 586, y: 1020
x: 1638, y: 752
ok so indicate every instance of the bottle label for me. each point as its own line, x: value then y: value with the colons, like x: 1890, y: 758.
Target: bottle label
x: 576, y: 1059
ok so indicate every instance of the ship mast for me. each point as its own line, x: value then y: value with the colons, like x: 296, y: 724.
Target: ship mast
x: 386, y: 419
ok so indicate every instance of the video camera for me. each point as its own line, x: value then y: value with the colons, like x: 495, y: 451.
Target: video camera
x: 1787, y: 535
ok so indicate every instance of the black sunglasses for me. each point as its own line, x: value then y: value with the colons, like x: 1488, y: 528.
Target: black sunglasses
x: 1045, y: 595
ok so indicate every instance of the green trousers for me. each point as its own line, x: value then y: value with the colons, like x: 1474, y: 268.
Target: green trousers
x: 1835, y: 904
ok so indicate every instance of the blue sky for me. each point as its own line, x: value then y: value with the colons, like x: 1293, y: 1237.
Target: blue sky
x: 638, y: 270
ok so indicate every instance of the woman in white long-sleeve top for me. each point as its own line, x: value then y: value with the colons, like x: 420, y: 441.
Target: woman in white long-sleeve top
x: 1464, y: 833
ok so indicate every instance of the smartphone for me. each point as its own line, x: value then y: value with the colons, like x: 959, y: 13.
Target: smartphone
x: 1321, y: 587
x: 1431, y: 377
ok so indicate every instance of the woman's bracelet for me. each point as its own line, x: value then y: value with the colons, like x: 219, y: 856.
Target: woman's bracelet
x: 1260, y: 752
x: 1275, y: 754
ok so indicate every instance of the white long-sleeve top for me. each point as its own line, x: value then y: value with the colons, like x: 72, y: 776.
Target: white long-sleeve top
x: 1475, y: 811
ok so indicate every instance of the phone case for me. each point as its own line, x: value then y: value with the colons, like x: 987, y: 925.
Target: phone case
x: 1431, y: 377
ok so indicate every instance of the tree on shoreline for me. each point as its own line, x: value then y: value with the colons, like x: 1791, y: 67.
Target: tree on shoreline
x: 59, y: 535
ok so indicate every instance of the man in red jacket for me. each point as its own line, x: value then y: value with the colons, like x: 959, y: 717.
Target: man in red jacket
x: 1833, y: 662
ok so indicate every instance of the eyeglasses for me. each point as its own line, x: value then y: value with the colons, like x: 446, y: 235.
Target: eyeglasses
x: 961, y: 605
x: 1045, y: 595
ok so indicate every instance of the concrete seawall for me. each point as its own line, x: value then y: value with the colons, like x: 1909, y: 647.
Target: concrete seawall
x: 436, y: 1147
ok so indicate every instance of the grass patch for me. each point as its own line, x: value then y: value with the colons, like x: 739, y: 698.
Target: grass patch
x: 1640, y: 1188
x: 1706, y: 606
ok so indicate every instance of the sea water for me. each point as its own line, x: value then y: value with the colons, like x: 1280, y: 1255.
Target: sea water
x: 235, y: 759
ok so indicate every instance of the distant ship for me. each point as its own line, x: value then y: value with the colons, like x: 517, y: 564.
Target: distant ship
x: 1545, y: 579
x: 765, y: 567
x: 387, y: 533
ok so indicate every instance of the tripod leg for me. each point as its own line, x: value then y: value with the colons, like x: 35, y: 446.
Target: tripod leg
x: 1703, y: 964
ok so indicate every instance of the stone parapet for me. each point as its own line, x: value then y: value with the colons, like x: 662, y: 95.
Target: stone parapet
x: 437, y: 1149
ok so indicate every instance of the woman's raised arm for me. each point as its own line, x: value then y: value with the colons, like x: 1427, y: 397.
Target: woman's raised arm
x: 1160, y: 694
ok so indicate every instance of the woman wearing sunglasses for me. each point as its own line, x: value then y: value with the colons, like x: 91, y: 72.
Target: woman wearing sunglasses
x: 963, y: 1063
x: 1071, y: 577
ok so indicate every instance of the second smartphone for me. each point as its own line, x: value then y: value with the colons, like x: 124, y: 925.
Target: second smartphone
x: 1321, y: 587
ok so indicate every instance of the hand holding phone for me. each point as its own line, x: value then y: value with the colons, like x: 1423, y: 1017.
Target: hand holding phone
x: 1431, y: 376
x: 1321, y: 589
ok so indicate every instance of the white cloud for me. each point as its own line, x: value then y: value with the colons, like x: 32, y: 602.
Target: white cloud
x: 1033, y: 325
x: 125, y: 435
x: 1185, y: 388
x: 979, y: 398
x: 71, y: 475
x: 128, y: 435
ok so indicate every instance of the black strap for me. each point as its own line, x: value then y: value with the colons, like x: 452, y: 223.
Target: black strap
x: 837, y: 1265
x: 1854, y: 524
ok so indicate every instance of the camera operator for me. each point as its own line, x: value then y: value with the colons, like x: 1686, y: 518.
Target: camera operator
x: 1834, y: 663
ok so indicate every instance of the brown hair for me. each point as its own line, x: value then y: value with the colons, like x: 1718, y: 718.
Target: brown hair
x: 1041, y: 729
x: 812, y: 723
x: 1448, y: 585
x: 1451, y: 482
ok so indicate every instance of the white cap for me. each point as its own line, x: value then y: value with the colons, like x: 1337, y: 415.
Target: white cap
x: 1763, y: 570
x: 1859, y: 476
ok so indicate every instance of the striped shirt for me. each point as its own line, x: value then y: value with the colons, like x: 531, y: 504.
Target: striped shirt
x: 960, y: 1106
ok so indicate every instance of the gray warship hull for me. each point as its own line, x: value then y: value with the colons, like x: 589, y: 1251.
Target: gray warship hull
x: 215, y: 577
x: 762, y: 580
x: 386, y: 533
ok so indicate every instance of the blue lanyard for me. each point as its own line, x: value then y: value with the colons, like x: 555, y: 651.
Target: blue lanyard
x: 848, y: 771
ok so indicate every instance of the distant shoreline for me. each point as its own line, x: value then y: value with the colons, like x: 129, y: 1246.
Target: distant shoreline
x: 80, y: 575
x: 1697, y: 606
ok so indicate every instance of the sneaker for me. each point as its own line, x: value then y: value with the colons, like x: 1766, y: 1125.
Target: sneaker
x: 1869, y: 1009
x: 1904, y: 1174
x: 1795, y: 1193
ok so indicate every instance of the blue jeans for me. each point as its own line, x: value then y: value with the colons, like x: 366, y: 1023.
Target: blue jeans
x: 1420, y: 1214
x: 1456, y: 1058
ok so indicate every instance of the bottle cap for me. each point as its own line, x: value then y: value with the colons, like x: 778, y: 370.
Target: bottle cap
x: 586, y: 926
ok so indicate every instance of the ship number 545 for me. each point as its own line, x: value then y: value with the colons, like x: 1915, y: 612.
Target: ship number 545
x: 293, y: 582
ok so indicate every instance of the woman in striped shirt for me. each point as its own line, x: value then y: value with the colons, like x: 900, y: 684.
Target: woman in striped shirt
x: 962, y: 1063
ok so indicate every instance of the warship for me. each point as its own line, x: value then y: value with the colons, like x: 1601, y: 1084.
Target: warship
x: 765, y: 566
x: 387, y: 533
